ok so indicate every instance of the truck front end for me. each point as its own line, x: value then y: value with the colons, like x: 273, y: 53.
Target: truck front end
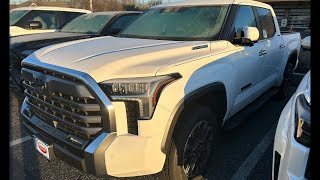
x: 72, y: 118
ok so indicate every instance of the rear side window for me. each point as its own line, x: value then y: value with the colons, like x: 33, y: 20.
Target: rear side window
x: 48, y: 19
x: 265, y: 19
x: 244, y: 17
x: 123, y: 21
x: 66, y: 17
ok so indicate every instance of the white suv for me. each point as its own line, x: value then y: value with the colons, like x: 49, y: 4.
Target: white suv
x: 292, y: 140
x: 41, y: 19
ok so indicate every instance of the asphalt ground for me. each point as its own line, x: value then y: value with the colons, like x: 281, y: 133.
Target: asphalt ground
x: 245, y: 152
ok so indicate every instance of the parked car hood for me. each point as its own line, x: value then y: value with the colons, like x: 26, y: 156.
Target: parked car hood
x: 114, y: 57
x: 36, y: 41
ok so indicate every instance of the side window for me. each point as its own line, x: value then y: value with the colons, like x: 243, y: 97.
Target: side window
x: 48, y: 19
x: 244, y: 17
x: 265, y: 20
x: 66, y: 17
x: 123, y: 21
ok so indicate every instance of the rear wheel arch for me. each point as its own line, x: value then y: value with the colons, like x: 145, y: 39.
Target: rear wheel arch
x: 292, y: 58
x: 212, y: 95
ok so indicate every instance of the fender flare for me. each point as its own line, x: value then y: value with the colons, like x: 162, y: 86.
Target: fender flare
x: 216, y: 87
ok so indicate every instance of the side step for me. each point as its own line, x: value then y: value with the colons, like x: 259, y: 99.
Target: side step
x: 244, y: 114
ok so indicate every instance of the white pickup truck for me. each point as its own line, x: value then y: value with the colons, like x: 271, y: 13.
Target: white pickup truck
x: 41, y: 19
x: 156, y: 97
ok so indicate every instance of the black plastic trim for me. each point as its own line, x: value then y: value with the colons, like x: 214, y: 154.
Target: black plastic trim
x: 189, y: 98
x: 277, y: 158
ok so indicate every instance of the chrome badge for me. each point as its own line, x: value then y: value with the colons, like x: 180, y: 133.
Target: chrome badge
x: 55, y: 124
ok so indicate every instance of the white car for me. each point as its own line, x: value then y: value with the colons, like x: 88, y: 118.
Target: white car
x: 292, y: 140
x: 41, y: 19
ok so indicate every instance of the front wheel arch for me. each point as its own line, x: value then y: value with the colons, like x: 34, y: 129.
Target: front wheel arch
x: 212, y: 95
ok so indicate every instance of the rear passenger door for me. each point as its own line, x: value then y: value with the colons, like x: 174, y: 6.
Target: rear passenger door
x: 273, y: 45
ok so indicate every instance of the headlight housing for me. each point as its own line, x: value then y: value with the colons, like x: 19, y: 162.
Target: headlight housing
x: 303, y: 118
x: 146, y: 91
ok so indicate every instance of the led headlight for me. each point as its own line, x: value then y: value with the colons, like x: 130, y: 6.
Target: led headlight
x: 303, y: 118
x: 146, y: 91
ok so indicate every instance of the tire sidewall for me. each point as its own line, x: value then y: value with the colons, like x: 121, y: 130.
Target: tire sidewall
x: 188, y: 120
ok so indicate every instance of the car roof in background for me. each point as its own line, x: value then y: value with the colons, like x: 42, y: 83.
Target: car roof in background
x: 50, y: 8
x: 112, y: 13
x: 208, y: 2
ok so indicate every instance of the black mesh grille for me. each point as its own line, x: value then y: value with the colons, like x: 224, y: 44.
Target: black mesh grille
x: 65, y: 108
x: 132, y: 109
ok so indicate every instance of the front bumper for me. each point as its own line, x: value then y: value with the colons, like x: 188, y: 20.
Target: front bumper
x: 290, y: 158
x: 88, y: 160
x: 118, y: 154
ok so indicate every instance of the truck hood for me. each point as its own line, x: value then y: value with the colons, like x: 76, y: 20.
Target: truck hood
x: 113, y: 57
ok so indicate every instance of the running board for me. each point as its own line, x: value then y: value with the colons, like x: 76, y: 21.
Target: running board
x: 246, y: 112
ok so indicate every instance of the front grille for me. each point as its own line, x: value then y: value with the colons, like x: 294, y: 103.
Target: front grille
x: 62, y: 102
x: 132, y: 110
x: 277, y: 158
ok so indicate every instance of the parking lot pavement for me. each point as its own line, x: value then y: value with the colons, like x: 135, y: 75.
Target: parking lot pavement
x: 245, y: 152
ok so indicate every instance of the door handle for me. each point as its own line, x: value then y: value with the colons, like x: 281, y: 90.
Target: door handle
x: 262, y: 52
x: 282, y: 46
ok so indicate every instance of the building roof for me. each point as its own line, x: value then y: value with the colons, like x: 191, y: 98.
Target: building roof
x: 49, y: 8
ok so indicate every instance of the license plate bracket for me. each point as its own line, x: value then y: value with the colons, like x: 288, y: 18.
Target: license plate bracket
x: 44, y: 147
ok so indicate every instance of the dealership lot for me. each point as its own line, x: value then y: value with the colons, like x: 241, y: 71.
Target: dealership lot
x: 245, y: 151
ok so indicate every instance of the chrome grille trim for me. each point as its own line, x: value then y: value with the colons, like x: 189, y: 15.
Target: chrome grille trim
x: 106, y: 108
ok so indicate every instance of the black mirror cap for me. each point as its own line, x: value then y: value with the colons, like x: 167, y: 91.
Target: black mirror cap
x: 35, y: 24
x: 243, y: 41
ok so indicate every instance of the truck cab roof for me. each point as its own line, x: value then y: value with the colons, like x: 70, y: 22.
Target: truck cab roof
x: 49, y: 8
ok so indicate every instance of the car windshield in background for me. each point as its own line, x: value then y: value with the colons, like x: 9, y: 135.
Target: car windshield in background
x: 88, y: 23
x: 16, y: 15
x: 178, y: 23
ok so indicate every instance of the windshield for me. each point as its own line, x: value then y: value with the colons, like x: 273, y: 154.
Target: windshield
x: 16, y: 15
x: 178, y: 23
x: 87, y: 23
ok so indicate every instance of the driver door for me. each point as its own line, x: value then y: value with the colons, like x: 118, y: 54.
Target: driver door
x: 247, y: 62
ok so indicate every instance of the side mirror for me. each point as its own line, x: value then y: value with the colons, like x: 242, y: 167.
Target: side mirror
x: 306, y: 43
x: 35, y: 24
x: 251, y: 33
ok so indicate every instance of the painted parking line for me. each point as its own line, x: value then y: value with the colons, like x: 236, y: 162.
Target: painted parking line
x: 245, y: 169
x: 20, y: 140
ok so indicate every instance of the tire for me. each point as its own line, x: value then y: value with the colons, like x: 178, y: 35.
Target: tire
x: 285, y: 84
x: 193, y: 122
